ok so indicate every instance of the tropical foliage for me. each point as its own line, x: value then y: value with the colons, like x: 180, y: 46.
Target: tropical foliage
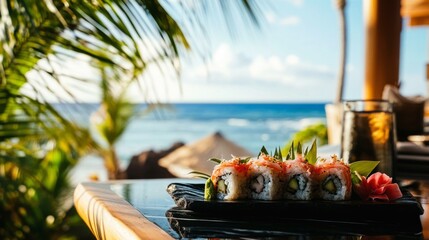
x: 110, y: 121
x: 317, y: 132
x: 36, y: 156
x: 117, y: 40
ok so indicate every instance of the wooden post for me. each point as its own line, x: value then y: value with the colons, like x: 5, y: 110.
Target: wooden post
x: 427, y: 72
x: 383, y: 29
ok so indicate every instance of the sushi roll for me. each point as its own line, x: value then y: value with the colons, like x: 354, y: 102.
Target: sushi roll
x: 333, y: 179
x: 230, y: 179
x: 264, y: 178
x: 297, y: 179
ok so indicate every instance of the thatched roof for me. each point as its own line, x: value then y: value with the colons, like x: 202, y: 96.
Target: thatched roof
x: 194, y: 156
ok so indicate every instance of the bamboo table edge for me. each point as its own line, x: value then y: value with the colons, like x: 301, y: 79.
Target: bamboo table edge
x: 111, y: 217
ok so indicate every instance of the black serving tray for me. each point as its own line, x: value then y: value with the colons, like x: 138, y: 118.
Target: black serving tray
x: 196, y: 217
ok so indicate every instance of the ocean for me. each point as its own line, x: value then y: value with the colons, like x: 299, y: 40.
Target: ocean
x: 248, y: 125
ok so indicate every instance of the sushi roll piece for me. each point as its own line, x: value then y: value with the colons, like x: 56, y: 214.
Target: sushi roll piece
x: 265, y: 178
x: 297, y: 179
x: 230, y: 178
x: 333, y: 179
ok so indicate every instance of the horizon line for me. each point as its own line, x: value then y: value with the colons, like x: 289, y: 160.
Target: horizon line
x: 210, y: 102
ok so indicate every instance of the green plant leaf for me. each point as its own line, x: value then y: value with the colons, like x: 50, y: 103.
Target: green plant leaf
x: 299, y: 148
x: 311, y: 156
x: 308, y: 134
x: 356, y: 178
x: 279, y: 155
x: 362, y: 168
x: 200, y: 174
x: 291, y: 153
x: 245, y: 160
x: 216, y: 160
x: 263, y: 150
x: 112, y: 35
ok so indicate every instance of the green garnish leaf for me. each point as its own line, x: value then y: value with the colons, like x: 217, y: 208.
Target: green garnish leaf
x: 245, y: 160
x: 306, y: 151
x: 263, y: 150
x: 299, y: 148
x: 291, y: 153
x: 362, y: 168
x: 280, y: 154
x: 200, y: 174
x: 216, y: 160
x: 311, y: 155
x: 356, y: 177
x: 209, y: 190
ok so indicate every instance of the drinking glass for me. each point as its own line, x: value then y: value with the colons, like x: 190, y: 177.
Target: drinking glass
x: 368, y: 133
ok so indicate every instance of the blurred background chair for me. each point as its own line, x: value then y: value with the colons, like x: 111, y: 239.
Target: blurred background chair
x: 409, y: 112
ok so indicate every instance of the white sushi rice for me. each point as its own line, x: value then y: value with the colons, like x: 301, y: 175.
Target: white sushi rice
x: 337, y: 177
x: 264, y: 184
x: 305, y: 184
x: 236, y: 185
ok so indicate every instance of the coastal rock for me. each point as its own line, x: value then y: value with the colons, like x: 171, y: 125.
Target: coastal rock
x: 145, y: 165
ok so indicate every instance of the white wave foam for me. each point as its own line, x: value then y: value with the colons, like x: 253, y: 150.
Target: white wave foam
x: 304, y: 122
x: 276, y: 125
x: 238, y: 122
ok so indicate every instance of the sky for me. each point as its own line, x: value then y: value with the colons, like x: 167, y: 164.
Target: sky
x: 293, y: 57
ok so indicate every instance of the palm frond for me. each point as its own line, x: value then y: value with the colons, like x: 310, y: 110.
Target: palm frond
x: 123, y: 34
x: 36, y: 156
x: 119, y: 38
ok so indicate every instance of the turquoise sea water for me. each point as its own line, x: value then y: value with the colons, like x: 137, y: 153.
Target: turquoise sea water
x: 248, y: 125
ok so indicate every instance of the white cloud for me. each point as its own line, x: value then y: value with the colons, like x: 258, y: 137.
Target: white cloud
x: 292, y: 59
x: 289, y: 71
x: 224, y: 57
x: 292, y: 20
x: 234, y: 76
x: 296, y: 2
x: 225, y: 63
x: 272, y: 18
x: 230, y: 66
x: 268, y: 69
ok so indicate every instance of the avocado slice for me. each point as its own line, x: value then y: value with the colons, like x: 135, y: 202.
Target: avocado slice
x: 221, y: 186
x: 330, y: 186
x: 293, y: 185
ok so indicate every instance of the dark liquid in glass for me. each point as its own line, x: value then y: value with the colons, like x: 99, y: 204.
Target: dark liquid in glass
x: 369, y: 135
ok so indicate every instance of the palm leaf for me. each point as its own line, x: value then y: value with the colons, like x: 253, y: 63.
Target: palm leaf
x: 38, y: 145
x: 100, y: 30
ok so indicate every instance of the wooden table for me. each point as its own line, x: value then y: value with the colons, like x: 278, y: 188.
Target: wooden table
x: 137, y: 209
